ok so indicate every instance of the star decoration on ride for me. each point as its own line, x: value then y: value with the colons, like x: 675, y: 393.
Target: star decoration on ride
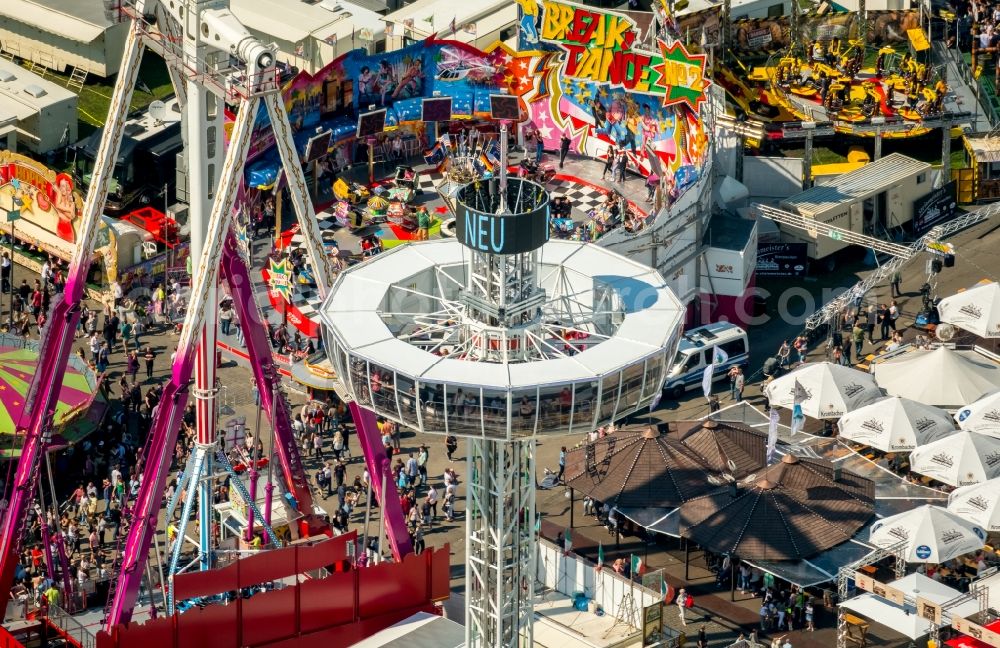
x: 280, y: 278
x: 679, y: 65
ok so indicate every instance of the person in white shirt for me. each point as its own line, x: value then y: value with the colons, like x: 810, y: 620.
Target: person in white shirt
x: 432, y: 499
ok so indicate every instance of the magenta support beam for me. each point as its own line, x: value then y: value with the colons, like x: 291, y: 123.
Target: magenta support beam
x: 67, y: 577
x: 265, y: 372
x: 50, y: 564
x: 145, y: 513
x: 378, y: 465
x: 57, y: 344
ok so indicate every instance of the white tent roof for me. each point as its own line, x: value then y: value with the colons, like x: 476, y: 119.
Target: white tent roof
x: 941, y: 376
x: 904, y: 619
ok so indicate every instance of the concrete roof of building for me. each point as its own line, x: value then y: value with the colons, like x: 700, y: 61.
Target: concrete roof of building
x: 430, y: 16
x: 80, y: 21
x: 14, y: 92
x: 295, y: 21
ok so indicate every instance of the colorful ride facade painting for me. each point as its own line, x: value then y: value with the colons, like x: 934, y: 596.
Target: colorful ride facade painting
x: 584, y: 76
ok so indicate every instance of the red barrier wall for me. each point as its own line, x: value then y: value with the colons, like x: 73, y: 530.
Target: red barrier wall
x: 335, y: 611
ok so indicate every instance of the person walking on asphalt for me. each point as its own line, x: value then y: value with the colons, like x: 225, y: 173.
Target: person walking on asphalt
x: 682, y: 599
x: 883, y: 321
x: 858, y: 335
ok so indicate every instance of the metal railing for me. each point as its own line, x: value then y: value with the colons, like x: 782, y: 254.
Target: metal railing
x: 71, y: 627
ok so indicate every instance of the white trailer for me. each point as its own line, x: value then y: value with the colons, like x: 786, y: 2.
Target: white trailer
x: 876, y: 199
x: 45, y: 111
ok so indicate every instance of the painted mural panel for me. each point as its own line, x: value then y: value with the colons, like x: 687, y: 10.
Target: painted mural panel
x: 644, y: 102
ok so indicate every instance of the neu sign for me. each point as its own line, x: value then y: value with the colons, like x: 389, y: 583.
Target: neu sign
x: 503, y: 234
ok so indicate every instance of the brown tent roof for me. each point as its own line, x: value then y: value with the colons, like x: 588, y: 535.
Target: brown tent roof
x: 722, y: 446
x: 819, y: 481
x: 637, y: 467
x: 793, y: 510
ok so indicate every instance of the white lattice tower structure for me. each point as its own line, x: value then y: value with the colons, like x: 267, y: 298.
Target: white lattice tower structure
x: 501, y: 336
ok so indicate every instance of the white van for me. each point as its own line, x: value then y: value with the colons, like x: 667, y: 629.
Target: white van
x: 696, y: 350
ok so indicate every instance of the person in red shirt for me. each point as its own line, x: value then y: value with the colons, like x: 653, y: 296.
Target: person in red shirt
x: 36, y: 303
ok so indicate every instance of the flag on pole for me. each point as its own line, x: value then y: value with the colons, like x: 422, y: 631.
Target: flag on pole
x: 637, y: 566
x: 799, y: 396
x: 656, y: 401
x: 454, y: 27
x: 492, y: 151
x: 600, y: 557
x: 538, y: 524
x: 772, y: 434
x: 706, y: 380
x: 718, y: 357
x: 567, y: 541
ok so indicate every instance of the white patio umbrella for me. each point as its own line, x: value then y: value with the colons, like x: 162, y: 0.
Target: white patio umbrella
x: 961, y: 459
x: 931, y: 534
x: 944, y: 377
x: 979, y: 504
x: 976, y: 310
x: 895, y: 424
x: 981, y: 416
x: 826, y: 390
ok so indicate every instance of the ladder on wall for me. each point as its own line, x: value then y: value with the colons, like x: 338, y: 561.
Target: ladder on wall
x: 77, y: 77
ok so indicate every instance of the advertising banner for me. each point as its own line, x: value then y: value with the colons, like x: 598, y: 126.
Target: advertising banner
x: 936, y: 207
x: 782, y: 260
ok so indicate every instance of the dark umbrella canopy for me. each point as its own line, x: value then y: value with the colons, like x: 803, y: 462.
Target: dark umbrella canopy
x: 641, y: 468
x: 795, y: 509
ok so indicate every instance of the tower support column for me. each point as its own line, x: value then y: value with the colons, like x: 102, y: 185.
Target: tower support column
x: 500, y: 543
